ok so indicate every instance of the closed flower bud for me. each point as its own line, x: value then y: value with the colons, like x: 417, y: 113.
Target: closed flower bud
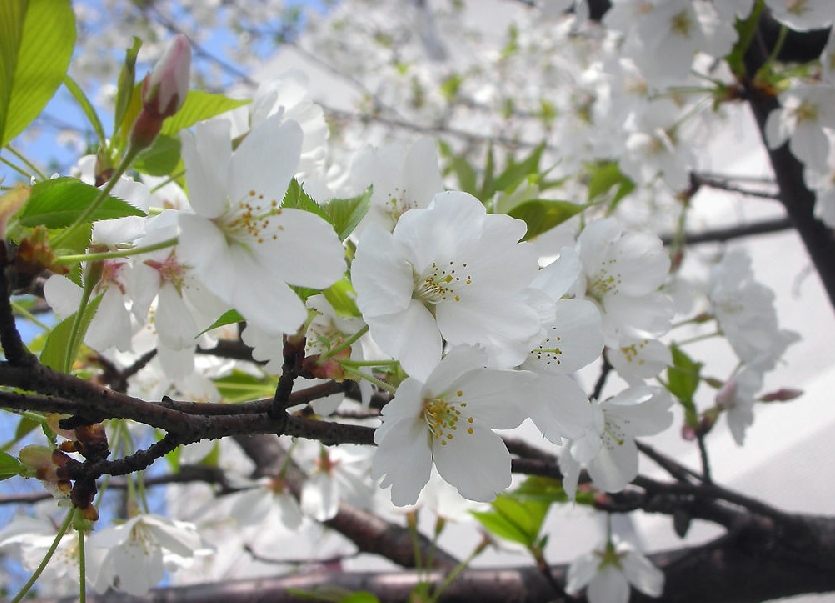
x: 164, y: 89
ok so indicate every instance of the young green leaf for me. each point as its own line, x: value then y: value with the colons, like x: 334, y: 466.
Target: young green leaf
x: 541, y: 215
x: 36, y: 42
x: 683, y: 380
x: 296, y: 198
x: 57, y: 350
x: 341, y: 297
x: 198, y: 106
x: 606, y: 176
x: 346, y: 214
x: 243, y: 387
x: 127, y: 80
x: 56, y: 203
x: 515, y: 518
x: 10, y: 466
x: 230, y: 317
x: 161, y: 158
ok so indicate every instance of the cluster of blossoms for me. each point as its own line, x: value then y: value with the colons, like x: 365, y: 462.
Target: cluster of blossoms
x: 482, y: 336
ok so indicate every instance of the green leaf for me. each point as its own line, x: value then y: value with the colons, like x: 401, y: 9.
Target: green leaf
x: 360, y: 597
x: 10, y: 466
x: 341, y: 297
x: 36, y: 43
x: 296, y: 198
x: 230, y: 317
x: 161, y: 159
x: 56, y: 203
x: 345, y: 214
x: 604, y: 177
x: 243, y: 387
x: 197, y: 107
x: 464, y: 172
x: 57, y: 350
x: 541, y: 215
x: 515, y: 518
x: 127, y: 79
x: 87, y: 107
x: 683, y: 380
x: 515, y: 173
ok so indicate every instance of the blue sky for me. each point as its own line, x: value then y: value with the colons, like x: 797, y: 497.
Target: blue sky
x: 52, y: 156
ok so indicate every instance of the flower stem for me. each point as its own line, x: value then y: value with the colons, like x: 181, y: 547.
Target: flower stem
x: 88, y: 213
x: 28, y: 163
x: 82, y: 569
x: 346, y: 343
x: 52, y: 548
x: 75, y: 258
x: 378, y: 382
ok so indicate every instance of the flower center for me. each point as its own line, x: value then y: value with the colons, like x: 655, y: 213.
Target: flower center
x: 170, y: 270
x: 442, y: 418
x: 250, y: 219
x: 548, y: 351
x: 602, y: 285
x: 441, y: 283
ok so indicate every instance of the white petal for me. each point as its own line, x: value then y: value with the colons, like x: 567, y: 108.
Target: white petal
x: 642, y: 574
x: 265, y: 162
x: 63, y: 295
x: 581, y: 571
x: 560, y: 408
x: 412, y: 337
x: 382, y: 278
x: 608, y: 586
x: 307, y: 252
x: 477, y: 463
x: 206, y: 154
x: 404, y: 461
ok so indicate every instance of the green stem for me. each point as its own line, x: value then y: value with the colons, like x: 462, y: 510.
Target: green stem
x: 359, y: 363
x: 348, y: 342
x: 378, y: 382
x: 19, y: 309
x: 698, y: 338
x: 16, y: 168
x: 28, y: 163
x: 82, y: 569
x: 88, y: 213
x: 109, y: 255
x: 74, y: 342
x: 52, y: 548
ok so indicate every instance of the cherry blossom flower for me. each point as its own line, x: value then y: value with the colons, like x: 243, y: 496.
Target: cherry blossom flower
x: 806, y: 111
x: 403, y: 178
x: 140, y: 550
x: 447, y: 420
x: 622, y: 273
x: 242, y: 245
x: 560, y: 408
x: 451, y: 272
x: 607, y: 448
x: 745, y: 311
x: 339, y: 474
x: 803, y: 15
x: 736, y: 398
x: 609, y: 570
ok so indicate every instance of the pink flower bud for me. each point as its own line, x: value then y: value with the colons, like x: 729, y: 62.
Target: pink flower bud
x: 164, y: 89
x: 784, y: 394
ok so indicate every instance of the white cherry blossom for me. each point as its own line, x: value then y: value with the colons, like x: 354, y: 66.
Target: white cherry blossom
x: 449, y: 272
x: 242, y: 245
x: 609, y: 570
x: 607, y: 448
x: 447, y: 420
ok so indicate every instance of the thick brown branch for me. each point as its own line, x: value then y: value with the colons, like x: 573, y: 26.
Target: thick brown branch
x: 757, y: 562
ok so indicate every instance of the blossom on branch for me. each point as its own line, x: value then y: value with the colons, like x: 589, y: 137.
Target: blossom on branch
x: 449, y: 272
x: 243, y: 246
x: 447, y: 420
